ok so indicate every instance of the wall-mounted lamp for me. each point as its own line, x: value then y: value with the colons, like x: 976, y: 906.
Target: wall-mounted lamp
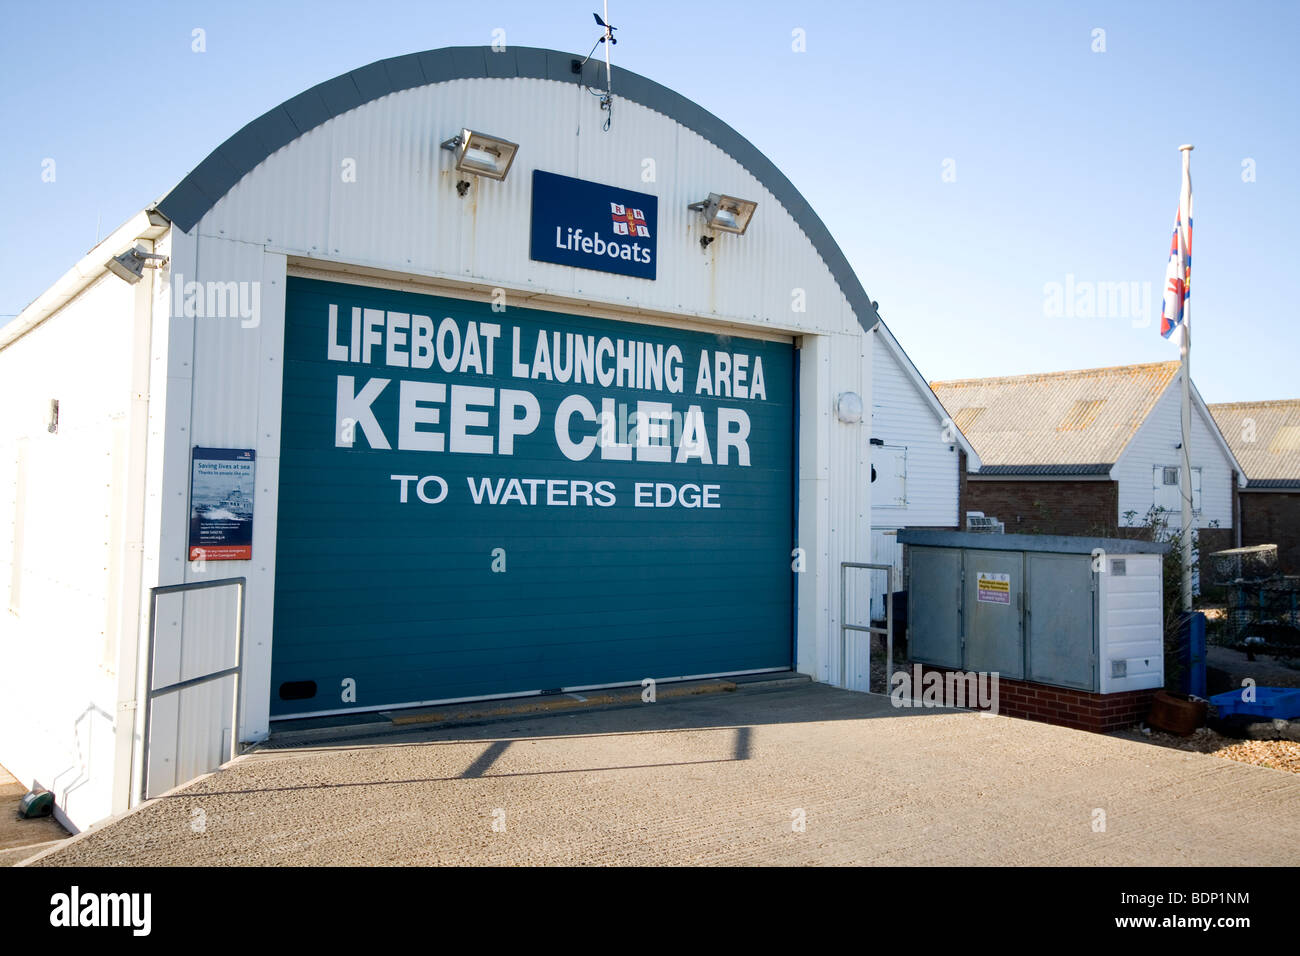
x: 481, y: 155
x: 131, y: 264
x: 726, y: 213
x: 848, y: 408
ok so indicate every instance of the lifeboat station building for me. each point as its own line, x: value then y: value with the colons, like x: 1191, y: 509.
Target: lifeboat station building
x: 451, y: 378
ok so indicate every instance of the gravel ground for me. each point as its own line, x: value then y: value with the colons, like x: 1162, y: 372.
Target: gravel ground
x: 20, y: 838
x: 1275, y: 754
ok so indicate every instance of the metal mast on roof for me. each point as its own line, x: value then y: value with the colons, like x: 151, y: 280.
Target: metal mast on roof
x: 607, y: 38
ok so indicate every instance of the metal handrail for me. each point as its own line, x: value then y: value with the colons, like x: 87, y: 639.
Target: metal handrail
x: 887, y: 630
x: 152, y: 692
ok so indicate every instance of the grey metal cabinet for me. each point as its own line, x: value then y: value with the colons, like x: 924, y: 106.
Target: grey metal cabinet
x: 1042, y: 608
x: 992, y: 606
x: 935, y: 614
x: 1061, y: 620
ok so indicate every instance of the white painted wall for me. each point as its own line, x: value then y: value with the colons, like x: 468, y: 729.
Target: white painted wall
x: 1132, y: 625
x: 925, y: 494
x: 1154, y: 444
x: 63, y: 544
x: 902, y: 418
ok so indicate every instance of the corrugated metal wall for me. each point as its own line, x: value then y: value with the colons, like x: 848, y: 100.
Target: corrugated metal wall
x: 402, y: 214
x: 220, y: 381
x: 850, y: 509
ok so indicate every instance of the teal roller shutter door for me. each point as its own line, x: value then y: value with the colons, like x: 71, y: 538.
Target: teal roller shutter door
x: 401, y: 601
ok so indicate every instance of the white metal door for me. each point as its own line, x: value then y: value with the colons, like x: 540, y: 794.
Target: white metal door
x: 889, y: 476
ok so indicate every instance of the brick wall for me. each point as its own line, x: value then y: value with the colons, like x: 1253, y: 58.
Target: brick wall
x: 1044, y: 507
x: 1209, y: 540
x: 1273, y: 517
x: 1081, y: 710
x: 1099, y: 713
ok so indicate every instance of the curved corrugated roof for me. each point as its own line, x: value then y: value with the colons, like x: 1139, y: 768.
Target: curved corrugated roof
x: 232, y: 160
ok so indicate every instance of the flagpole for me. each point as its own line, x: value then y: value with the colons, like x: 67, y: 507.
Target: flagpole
x: 1185, y: 473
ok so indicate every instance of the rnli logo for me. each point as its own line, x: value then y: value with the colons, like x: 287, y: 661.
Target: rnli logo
x: 628, y: 222
x: 592, y: 226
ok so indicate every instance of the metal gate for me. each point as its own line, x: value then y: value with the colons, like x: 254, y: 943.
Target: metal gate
x: 858, y: 676
x: 189, y: 728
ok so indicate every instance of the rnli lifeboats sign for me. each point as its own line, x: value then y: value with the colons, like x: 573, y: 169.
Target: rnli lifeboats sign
x: 221, y: 504
x: 593, y: 226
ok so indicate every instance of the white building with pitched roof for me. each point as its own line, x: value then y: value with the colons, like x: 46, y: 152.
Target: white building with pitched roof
x: 1265, y: 437
x: 1076, y: 452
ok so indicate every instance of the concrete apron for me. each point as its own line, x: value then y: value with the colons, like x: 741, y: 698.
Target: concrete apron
x: 287, y: 734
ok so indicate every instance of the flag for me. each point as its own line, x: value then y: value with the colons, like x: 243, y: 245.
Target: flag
x: 1178, y: 274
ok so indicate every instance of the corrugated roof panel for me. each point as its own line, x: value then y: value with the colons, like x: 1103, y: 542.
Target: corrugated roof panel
x: 964, y: 418
x: 1265, y: 437
x: 1077, y: 418
x: 1082, y: 414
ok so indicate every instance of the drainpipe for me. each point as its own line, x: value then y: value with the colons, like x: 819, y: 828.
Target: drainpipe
x: 1236, y: 511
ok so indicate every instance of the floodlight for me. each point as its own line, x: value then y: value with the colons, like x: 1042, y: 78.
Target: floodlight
x: 481, y: 154
x: 726, y: 213
x: 131, y: 264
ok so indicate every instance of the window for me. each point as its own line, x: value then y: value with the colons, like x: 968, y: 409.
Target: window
x: 1167, y: 492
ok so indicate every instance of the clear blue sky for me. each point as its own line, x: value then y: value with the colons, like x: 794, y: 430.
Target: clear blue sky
x: 1065, y: 159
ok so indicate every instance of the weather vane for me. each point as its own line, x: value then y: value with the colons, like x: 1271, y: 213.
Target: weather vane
x: 607, y: 37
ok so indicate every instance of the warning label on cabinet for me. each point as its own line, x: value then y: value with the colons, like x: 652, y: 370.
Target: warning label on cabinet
x: 993, y: 588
